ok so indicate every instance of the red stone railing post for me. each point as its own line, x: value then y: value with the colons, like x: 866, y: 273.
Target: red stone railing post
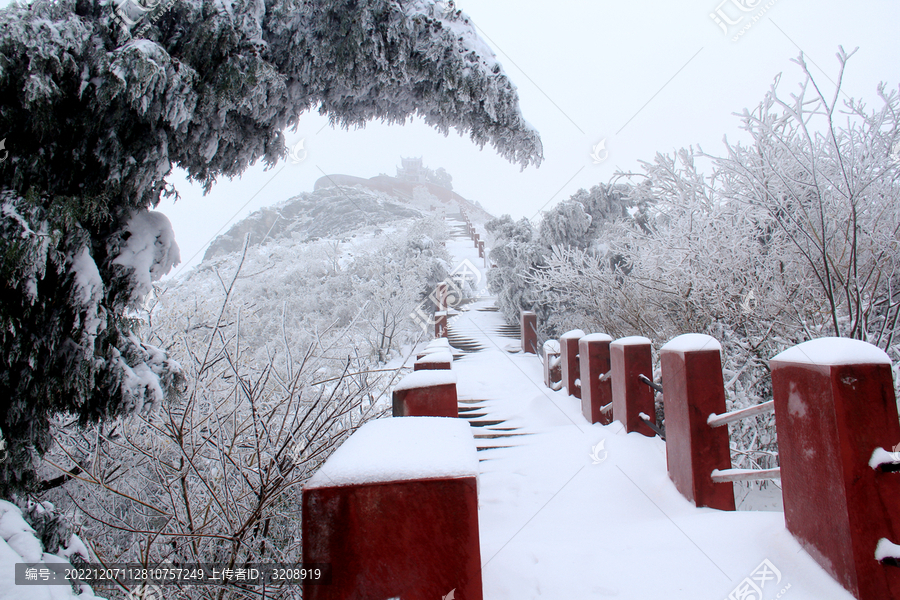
x: 693, y: 390
x: 440, y: 324
x: 552, y: 368
x: 481, y: 249
x: 596, y: 387
x: 476, y: 237
x: 528, y: 328
x: 630, y: 357
x: 426, y: 394
x: 837, y: 424
x: 377, y: 511
x: 434, y: 361
x: 568, y: 354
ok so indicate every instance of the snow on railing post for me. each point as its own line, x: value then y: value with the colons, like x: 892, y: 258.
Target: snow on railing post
x: 427, y: 393
x: 434, y: 361
x: 435, y: 346
x: 476, y: 237
x: 393, y: 513
x: 837, y: 424
x: 481, y: 249
x: 629, y: 358
x: 596, y: 387
x: 528, y: 328
x: 568, y: 354
x: 552, y: 368
x: 694, y: 389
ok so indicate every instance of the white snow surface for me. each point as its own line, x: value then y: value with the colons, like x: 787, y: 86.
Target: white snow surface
x: 399, y: 449
x: 425, y: 379
x: 87, y: 278
x: 692, y: 342
x: 574, y: 334
x: 632, y: 340
x: 150, y: 250
x: 434, y: 357
x: 886, y: 549
x: 834, y: 351
x: 18, y: 544
x: 551, y: 347
x: 435, y: 350
x: 597, y: 337
x: 555, y: 525
x: 880, y: 456
x: 439, y: 343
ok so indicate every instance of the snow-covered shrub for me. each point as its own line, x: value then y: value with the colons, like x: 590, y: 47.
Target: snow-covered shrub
x: 215, y: 477
x: 24, y: 539
x: 792, y: 237
x: 519, y: 250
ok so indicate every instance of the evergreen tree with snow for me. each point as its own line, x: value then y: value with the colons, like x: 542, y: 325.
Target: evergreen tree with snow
x: 440, y: 177
x: 102, y: 99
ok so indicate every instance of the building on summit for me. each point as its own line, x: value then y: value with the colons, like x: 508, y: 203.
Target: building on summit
x: 411, y: 170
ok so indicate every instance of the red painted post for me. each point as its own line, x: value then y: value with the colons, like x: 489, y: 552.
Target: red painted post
x: 434, y: 361
x: 693, y: 390
x: 552, y: 368
x: 568, y: 354
x: 631, y: 357
x: 440, y: 324
x: 528, y: 329
x: 426, y: 394
x: 395, y: 517
x: 596, y: 393
x: 475, y: 238
x: 834, y: 406
x: 481, y: 249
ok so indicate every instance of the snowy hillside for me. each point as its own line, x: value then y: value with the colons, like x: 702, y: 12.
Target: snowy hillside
x: 288, y: 345
x: 326, y: 213
x: 313, y: 262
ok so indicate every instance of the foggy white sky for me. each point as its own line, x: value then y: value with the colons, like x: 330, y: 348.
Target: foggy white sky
x: 645, y: 76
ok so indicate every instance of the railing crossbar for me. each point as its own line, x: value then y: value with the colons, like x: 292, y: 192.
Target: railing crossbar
x: 650, y: 382
x: 729, y: 475
x: 652, y: 425
x: 744, y: 413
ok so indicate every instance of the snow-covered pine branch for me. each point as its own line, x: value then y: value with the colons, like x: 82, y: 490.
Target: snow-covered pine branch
x: 98, y: 119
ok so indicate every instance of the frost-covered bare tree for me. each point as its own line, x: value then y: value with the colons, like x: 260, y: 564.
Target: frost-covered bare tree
x: 793, y: 236
x: 215, y: 476
x: 95, y: 120
x: 520, y: 249
x: 394, y: 279
x: 823, y: 170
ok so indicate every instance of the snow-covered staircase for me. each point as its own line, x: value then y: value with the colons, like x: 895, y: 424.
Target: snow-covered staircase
x: 568, y: 509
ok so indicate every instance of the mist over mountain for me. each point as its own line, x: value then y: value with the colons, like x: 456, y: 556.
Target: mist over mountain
x: 344, y: 206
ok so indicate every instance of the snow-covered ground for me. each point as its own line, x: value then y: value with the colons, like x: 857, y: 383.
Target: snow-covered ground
x: 575, y: 510
x: 568, y: 509
x: 18, y: 544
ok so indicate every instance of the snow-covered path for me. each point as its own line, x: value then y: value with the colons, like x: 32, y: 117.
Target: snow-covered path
x: 561, y: 517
